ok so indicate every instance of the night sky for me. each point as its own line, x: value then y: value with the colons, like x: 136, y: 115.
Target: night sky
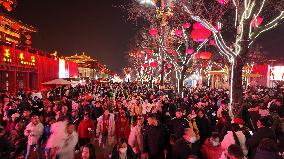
x: 97, y: 28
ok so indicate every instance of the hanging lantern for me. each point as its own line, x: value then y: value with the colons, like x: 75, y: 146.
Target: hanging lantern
x: 203, y: 55
x: 16, y: 26
x: 169, y: 65
x: 154, y: 64
x: 198, y: 26
x: 187, y: 25
x: 28, y: 36
x: 178, y: 32
x: 189, y: 51
x: 149, y: 51
x: 7, y: 6
x: 223, y: 1
x: 257, y: 21
x: 28, y: 42
x: 212, y: 42
x: 200, y: 35
x: 153, y: 31
x: 145, y: 65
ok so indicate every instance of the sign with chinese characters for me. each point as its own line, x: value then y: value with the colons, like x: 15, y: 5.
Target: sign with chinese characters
x: 27, y: 60
x: 7, y: 56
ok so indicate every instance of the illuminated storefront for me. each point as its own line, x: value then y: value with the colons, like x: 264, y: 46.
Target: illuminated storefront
x: 21, y: 69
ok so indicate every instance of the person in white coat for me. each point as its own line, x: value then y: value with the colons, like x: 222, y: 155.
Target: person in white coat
x: 135, y: 139
x: 33, y: 131
x: 235, y: 136
x: 69, y: 142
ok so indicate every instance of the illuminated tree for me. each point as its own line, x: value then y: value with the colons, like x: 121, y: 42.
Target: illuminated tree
x: 245, y: 21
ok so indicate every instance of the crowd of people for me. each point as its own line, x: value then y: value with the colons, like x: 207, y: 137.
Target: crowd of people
x: 132, y: 121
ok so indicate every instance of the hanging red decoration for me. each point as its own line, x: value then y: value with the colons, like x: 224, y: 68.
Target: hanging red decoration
x: 212, y: 42
x: 257, y: 21
x: 203, y: 55
x: 7, y: 6
x: 198, y: 26
x: 28, y: 42
x: 153, y: 31
x: 178, y: 32
x: 189, y: 51
x: 170, y: 51
x: 149, y: 51
x: 16, y: 26
x: 165, y: 70
x: 28, y: 36
x: 145, y: 65
x: 223, y: 1
x: 169, y: 65
x: 200, y: 35
x: 154, y: 64
x: 187, y: 25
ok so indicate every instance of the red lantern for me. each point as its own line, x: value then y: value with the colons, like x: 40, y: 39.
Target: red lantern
x: 212, y: 42
x: 7, y: 6
x: 16, y: 26
x: 178, y: 32
x: 145, y: 65
x: 169, y: 65
x: 154, y: 64
x: 28, y: 36
x: 187, y: 25
x: 223, y: 1
x: 189, y: 51
x: 257, y: 21
x: 28, y: 42
x: 153, y: 32
x: 198, y: 26
x: 149, y: 51
x: 203, y: 55
x: 200, y: 35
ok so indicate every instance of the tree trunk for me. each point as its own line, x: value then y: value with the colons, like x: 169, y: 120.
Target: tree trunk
x: 180, y: 84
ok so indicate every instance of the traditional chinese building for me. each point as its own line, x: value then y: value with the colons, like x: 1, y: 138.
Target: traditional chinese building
x: 21, y: 66
x: 89, y: 67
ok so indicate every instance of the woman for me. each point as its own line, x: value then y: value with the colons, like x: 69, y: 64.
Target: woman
x: 122, y: 150
x: 88, y: 152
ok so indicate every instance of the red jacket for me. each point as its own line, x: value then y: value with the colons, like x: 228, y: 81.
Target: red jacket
x: 210, y: 152
x: 122, y: 129
x: 83, y: 127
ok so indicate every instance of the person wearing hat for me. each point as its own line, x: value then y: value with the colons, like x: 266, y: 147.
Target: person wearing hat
x: 86, y: 129
x: 178, y: 124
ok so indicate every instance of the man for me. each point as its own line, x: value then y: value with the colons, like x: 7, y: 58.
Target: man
x: 263, y: 131
x: 186, y: 145
x: 234, y: 152
x: 135, y: 139
x: 96, y: 110
x: 69, y: 142
x: 156, y: 139
x: 33, y: 131
x: 178, y: 124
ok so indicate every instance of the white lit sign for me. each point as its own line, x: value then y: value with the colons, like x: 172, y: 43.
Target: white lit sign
x: 63, y: 72
x: 277, y: 73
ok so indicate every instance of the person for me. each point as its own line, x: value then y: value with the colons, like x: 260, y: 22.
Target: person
x: 235, y: 136
x: 88, y: 152
x: 203, y: 126
x: 178, y: 124
x: 106, y: 131
x: 122, y: 150
x: 263, y: 131
x: 135, y: 139
x: 86, y: 130
x: 122, y: 129
x: 267, y: 149
x: 69, y: 142
x: 33, y: 131
x: 156, y: 139
x: 234, y: 152
x: 212, y: 149
x: 186, y: 145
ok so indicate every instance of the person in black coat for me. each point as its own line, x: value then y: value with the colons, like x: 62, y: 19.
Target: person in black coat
x: 178, y: 124
x: 186, y: 145
x: 203, y: 126
x: 267, y: 149
x: 263, y: 131
x: 156, y: 139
